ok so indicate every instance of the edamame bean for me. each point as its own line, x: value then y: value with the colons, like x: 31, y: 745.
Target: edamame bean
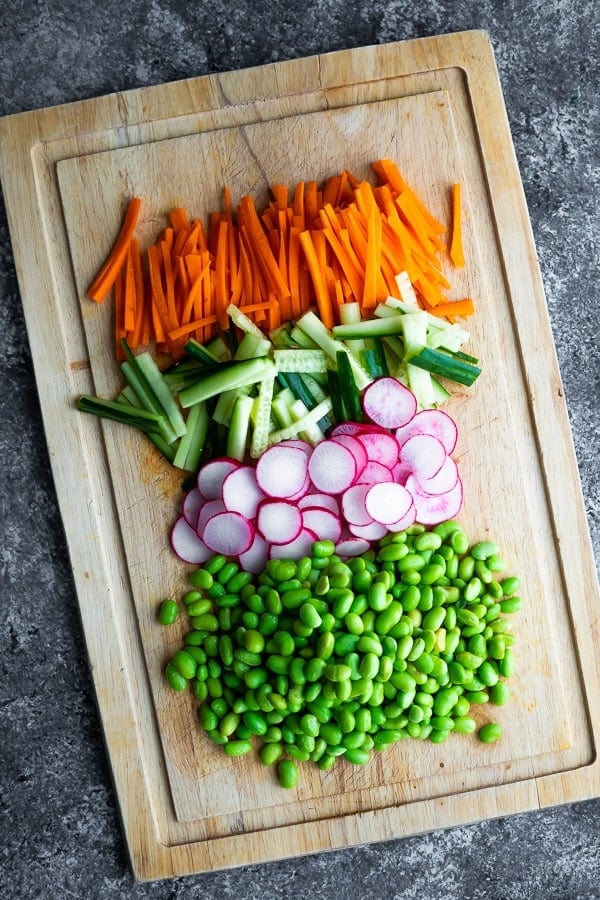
x: 490, y: 732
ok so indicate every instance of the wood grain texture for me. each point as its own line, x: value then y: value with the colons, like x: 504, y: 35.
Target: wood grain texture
x: 435, y: 105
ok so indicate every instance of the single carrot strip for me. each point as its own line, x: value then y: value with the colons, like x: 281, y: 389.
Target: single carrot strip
x: 294, y: 271
x: 330, y: 191
x: 160, y: 312
x: 168, y: 237
x: 298, y: 206
x: 464, y: 307
x: 369, y: 296
x: 311, y: 203
x: 119, y: 313
x: 456, y: 243
x: 179, y: 219
x: 185, y: 330
x: 221, y: 283
x: 259, y: 307
x: 388, y: 171
x: 280, y: 193
x: 140, y: 304
x: 107, y: 275
x: 321, y: 294
x: 169, y: 286
x: 129, y: 299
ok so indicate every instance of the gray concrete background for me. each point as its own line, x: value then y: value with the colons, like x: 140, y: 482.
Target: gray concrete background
x: 59, y: 828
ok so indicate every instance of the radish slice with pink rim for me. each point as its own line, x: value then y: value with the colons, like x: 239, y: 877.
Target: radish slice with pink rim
x: 281, y: 471
x: 424, y: 454
x: 326, y: 525
x: 352, y: 547
x: 381, y: 447
x: 187, y: 545
x: 213, y: 474
x: 210, y: 509
x: 192, y: 504
x: 228, y: 533
x: 241, y: 492
x: 332, y: 467
x: 319, y: 501
x: 372, y: 532
x: 354, y: 429
x: 302, y: 546
x: 434, y: 422
x: 443, y: 481
x: 400, y: 472
x: 255, y: 558
x: 406, y: 521
x: 431, y: 509
x: 387, y: 503
x: 374, y: 473
x: 353, y: 505
x: 278, y: 521
x: 389, y: 403
x: 298, y: 444
x: 356, y: 448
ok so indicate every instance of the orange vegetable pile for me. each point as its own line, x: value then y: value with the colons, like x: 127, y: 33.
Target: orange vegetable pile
x: 322, y: 247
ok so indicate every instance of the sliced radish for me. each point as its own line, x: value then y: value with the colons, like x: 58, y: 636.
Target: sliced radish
x: 372, y: 532
x: 241, y: 492
x: 302, y: 546
x: 228, y: 533
x: 356, y: 448
x: 443, y: 481
x: 434, y: 422
x: 281, y: 471
x: 255, y: 558
x: 373, y: 473
x: 424, y: 454
x: 332, y: 467
x: 400, y: 472
x: 353, y: 505
x: 325, y: 524
x: 303, y: 490
x: 389, y: 403
x: 319, y: 501
x: 298, y: 444
x: 381, y: 447
x: 352, y: 547
x: 192, y: 504
x: 406, y: 521
x: 432, y: 509
x: 213, y: 474
x: 279, y: 521
x: 353, y: 429
x: 210, y: 509
x: 187, y: 545
x: 387, y: 503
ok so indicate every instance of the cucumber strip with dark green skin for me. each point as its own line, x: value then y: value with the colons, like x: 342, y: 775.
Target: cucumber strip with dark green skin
x: 440, y: 363
x: 350, y: 395
x: 335, y: 395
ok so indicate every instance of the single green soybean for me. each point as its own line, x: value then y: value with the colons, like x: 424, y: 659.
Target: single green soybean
x: 287, y: 773
x: 168, y: 612
x: 490, y: 732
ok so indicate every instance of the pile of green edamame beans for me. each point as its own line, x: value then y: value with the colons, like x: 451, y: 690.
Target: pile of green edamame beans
x: 323, y: 658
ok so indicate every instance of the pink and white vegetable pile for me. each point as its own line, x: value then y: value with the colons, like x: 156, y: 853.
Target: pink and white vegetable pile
x: 362, y: 481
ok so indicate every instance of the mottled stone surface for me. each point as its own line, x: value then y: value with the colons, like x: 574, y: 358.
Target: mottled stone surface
x: 59, y: 829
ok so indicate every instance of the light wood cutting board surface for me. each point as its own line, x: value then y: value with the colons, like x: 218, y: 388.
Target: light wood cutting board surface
x: 435, y: 106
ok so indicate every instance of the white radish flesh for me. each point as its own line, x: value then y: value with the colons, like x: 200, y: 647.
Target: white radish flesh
x: 255, y: 558
x: 213, y: 474
x: 434, y: 422
x: 302, y: 546
x: 187, y: 545
x: 424, y: 454
x: 387, y: 503
x: 372, y: 532
x: 389, y: 403
x: 356, y: 448
x: 319, y: 501
x: 443, y: 481
x: 352, y: 547
x: 192, y: 504
x: 241, y: 492
x: 380, y: 447
x: 281, y: 471
x: 431, y: 509
x: 373, y: 473
x: 228, y: 533
x: 323, y: 523
x: 332, y: 468
x: 353, y: 505
x: 278, y: 521
x: 210, y: 509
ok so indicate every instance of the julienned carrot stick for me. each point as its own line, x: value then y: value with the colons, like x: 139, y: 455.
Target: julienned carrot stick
x: 185, y: 330
x: 108, y: 274
x: 456, y: 244
x: 464, y: 307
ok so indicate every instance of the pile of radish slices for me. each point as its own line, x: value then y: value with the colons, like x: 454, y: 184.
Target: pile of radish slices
x: 362, y: 481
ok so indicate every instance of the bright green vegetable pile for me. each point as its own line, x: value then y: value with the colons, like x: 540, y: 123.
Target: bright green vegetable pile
x: 322, y: 658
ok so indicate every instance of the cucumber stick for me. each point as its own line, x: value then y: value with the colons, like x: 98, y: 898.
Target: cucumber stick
x: 240, y: 374
x: 239, y: 428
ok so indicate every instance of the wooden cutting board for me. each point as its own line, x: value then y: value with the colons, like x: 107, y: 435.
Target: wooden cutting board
x: 435, y: 106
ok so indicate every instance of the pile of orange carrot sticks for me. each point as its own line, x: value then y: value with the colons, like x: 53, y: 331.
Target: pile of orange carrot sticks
x: 320, y: 247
